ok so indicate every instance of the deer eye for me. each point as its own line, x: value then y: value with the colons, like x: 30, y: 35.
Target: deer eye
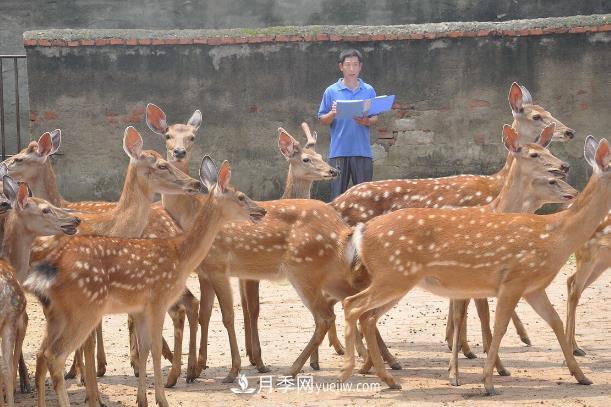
x: 552, y: 182
x: 241, y: 197
x: 534, y: 155
x: 162, y: 166
x: 167, y: 136
x: 537, y: 117
x: 191, y: 138
x: 306, y: 160
x: 46, y: 210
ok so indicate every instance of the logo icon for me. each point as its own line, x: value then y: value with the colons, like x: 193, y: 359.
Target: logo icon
x: 244, y: 389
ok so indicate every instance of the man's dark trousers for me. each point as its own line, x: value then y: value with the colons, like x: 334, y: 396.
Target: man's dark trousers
x: 360, y: 169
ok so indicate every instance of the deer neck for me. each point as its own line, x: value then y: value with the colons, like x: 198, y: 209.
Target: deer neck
x: 502, y: 174
x: 193, y: 246
x: 577, y: 224
x: 296, y: 188
x: 45, y: 186
x: 181, y: 207
x: 17, y: 244
x: 130, y: 216
x: 514, y: 195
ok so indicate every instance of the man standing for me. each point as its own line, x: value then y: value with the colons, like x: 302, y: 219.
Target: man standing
x: 350, y: 150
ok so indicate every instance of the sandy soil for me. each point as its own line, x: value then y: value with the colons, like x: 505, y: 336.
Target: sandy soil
x: 414, y: 330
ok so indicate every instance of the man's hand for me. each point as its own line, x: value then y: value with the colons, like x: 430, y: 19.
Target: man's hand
x: 328, y: 118
x: 366, y: 121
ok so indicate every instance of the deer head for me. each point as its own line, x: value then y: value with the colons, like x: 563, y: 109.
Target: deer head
x: 535, y: 156
x: 531, y: 119
x: 37, y: 215
x: 234, y: 204
x: 160, y: 176
x: 179, y: 138
x: 26, y: 165
x: 305, y: 163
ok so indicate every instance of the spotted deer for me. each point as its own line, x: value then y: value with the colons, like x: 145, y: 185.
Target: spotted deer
x: 29, y: 217
x: 143, y: 277
x: 305, y: 166
x: 466, y: 253
x: 33, y: 165
x: 367, y: 200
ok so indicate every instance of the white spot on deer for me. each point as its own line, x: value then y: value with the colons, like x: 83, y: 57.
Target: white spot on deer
x: 489, y: 199
x: 544, y: 235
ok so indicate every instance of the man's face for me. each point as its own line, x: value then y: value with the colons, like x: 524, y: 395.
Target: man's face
x: 351, y: 67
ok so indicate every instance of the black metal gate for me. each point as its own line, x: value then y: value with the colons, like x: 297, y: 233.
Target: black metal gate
x: 10, y: 122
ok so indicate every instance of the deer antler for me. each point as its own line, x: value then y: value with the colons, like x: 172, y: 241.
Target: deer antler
x: 311, y: 137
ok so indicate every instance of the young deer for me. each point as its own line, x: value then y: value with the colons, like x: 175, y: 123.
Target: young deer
x: 516, y: 255
x: 143, y: 277
x: 30, y: 217
x: 370, y: 199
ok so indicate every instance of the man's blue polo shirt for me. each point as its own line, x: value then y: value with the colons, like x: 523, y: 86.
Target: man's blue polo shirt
x: 348, y: 139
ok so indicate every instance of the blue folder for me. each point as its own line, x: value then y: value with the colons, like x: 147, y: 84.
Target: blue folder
x: 347, y: 109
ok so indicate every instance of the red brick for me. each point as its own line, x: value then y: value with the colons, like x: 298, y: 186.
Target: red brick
x: 73, y: 43
x: 483, y: 33
x: 102, y: 41
x: 117, y: 41
x: 561, y: 30
x: 296, y: 38
x: 455, y: 34
x: 87, y: 43
x: 200, y: 40
x: 44, y: 43
x: 308, y: 38
x: 253, y: 109
x: 477, y: 103
x: 58, y: 43
x: 416, y: 36
x: 266, y: 38
x: 131, y: 41
x: 170, y: 41
x: 535, y: 31
x: 282, y: 38
x: 144, y: 41
x: 577, y: 30
x: 404, y: 36
x: 29, y: 43
x: 391, y: 37
x: 350, y: 38
x: 241, y: 40
x: 549, y: 30
x: 469, y: 34
x: 335, y: 37
x: 365, y: 37
x: 323, y: 37
x: 33, y: 116
x: 157, y: 41
x: 430, y: 36
x: 378, y: 37
x: 50, y: 115
x: 523, y: 33
x: 508, y: 33
x: 185, y: 41
x: 214, y: 41
x: 604, y: 27
x: 583, y: 106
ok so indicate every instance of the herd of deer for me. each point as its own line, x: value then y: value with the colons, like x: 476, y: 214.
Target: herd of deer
x: 461, y: 237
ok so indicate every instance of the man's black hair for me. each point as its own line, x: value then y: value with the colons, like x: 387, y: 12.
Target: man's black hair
x: 350, y: 53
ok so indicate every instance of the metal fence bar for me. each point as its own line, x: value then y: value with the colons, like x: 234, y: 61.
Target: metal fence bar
x: 17, y: 102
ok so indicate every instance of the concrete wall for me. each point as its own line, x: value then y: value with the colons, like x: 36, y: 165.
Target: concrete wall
x: 451, y: 82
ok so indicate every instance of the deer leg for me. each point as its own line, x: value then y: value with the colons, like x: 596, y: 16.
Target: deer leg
x: 450, y: 324
x: 8, y: 348
x: 245, y: 314
x: 206, y: 302
x: 360, y: 346
x: 177, y: 313
x: 506, y: 303
x: 73, y: 372
x: 458, y: 315
x: 464, y: 344
x: 192, y: 310
x: 19, y: 362
x: 101, y: 353
x: 542, y: 306
x: 56, y: 368
x: 483, y: 311
x: 141, y: 327
x: 133, y: 346
x: 155, y: 329
x: 91, y: 383
x: 41, y: 373
x: 520, y: 329
x: 225, y: 297
x: 250, y: 290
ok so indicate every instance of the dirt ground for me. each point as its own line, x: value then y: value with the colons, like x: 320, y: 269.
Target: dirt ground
x: 414, y: 330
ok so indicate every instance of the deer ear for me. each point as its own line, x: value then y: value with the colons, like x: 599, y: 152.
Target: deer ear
x: 208, y: 172
x: 603, y: 156
x: 132, y: 143
x: 9, y: 188
x: 155, y: 119
x: 195, y: 120
x: 224, y: 176
x: 56, y: 140
x: 511, y: 139
x: 22, y: 195
x: 45, y: 145
x: 515, y: 98
x: 589, y: 151
x: 287, y: 144
x: 545, y: 138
